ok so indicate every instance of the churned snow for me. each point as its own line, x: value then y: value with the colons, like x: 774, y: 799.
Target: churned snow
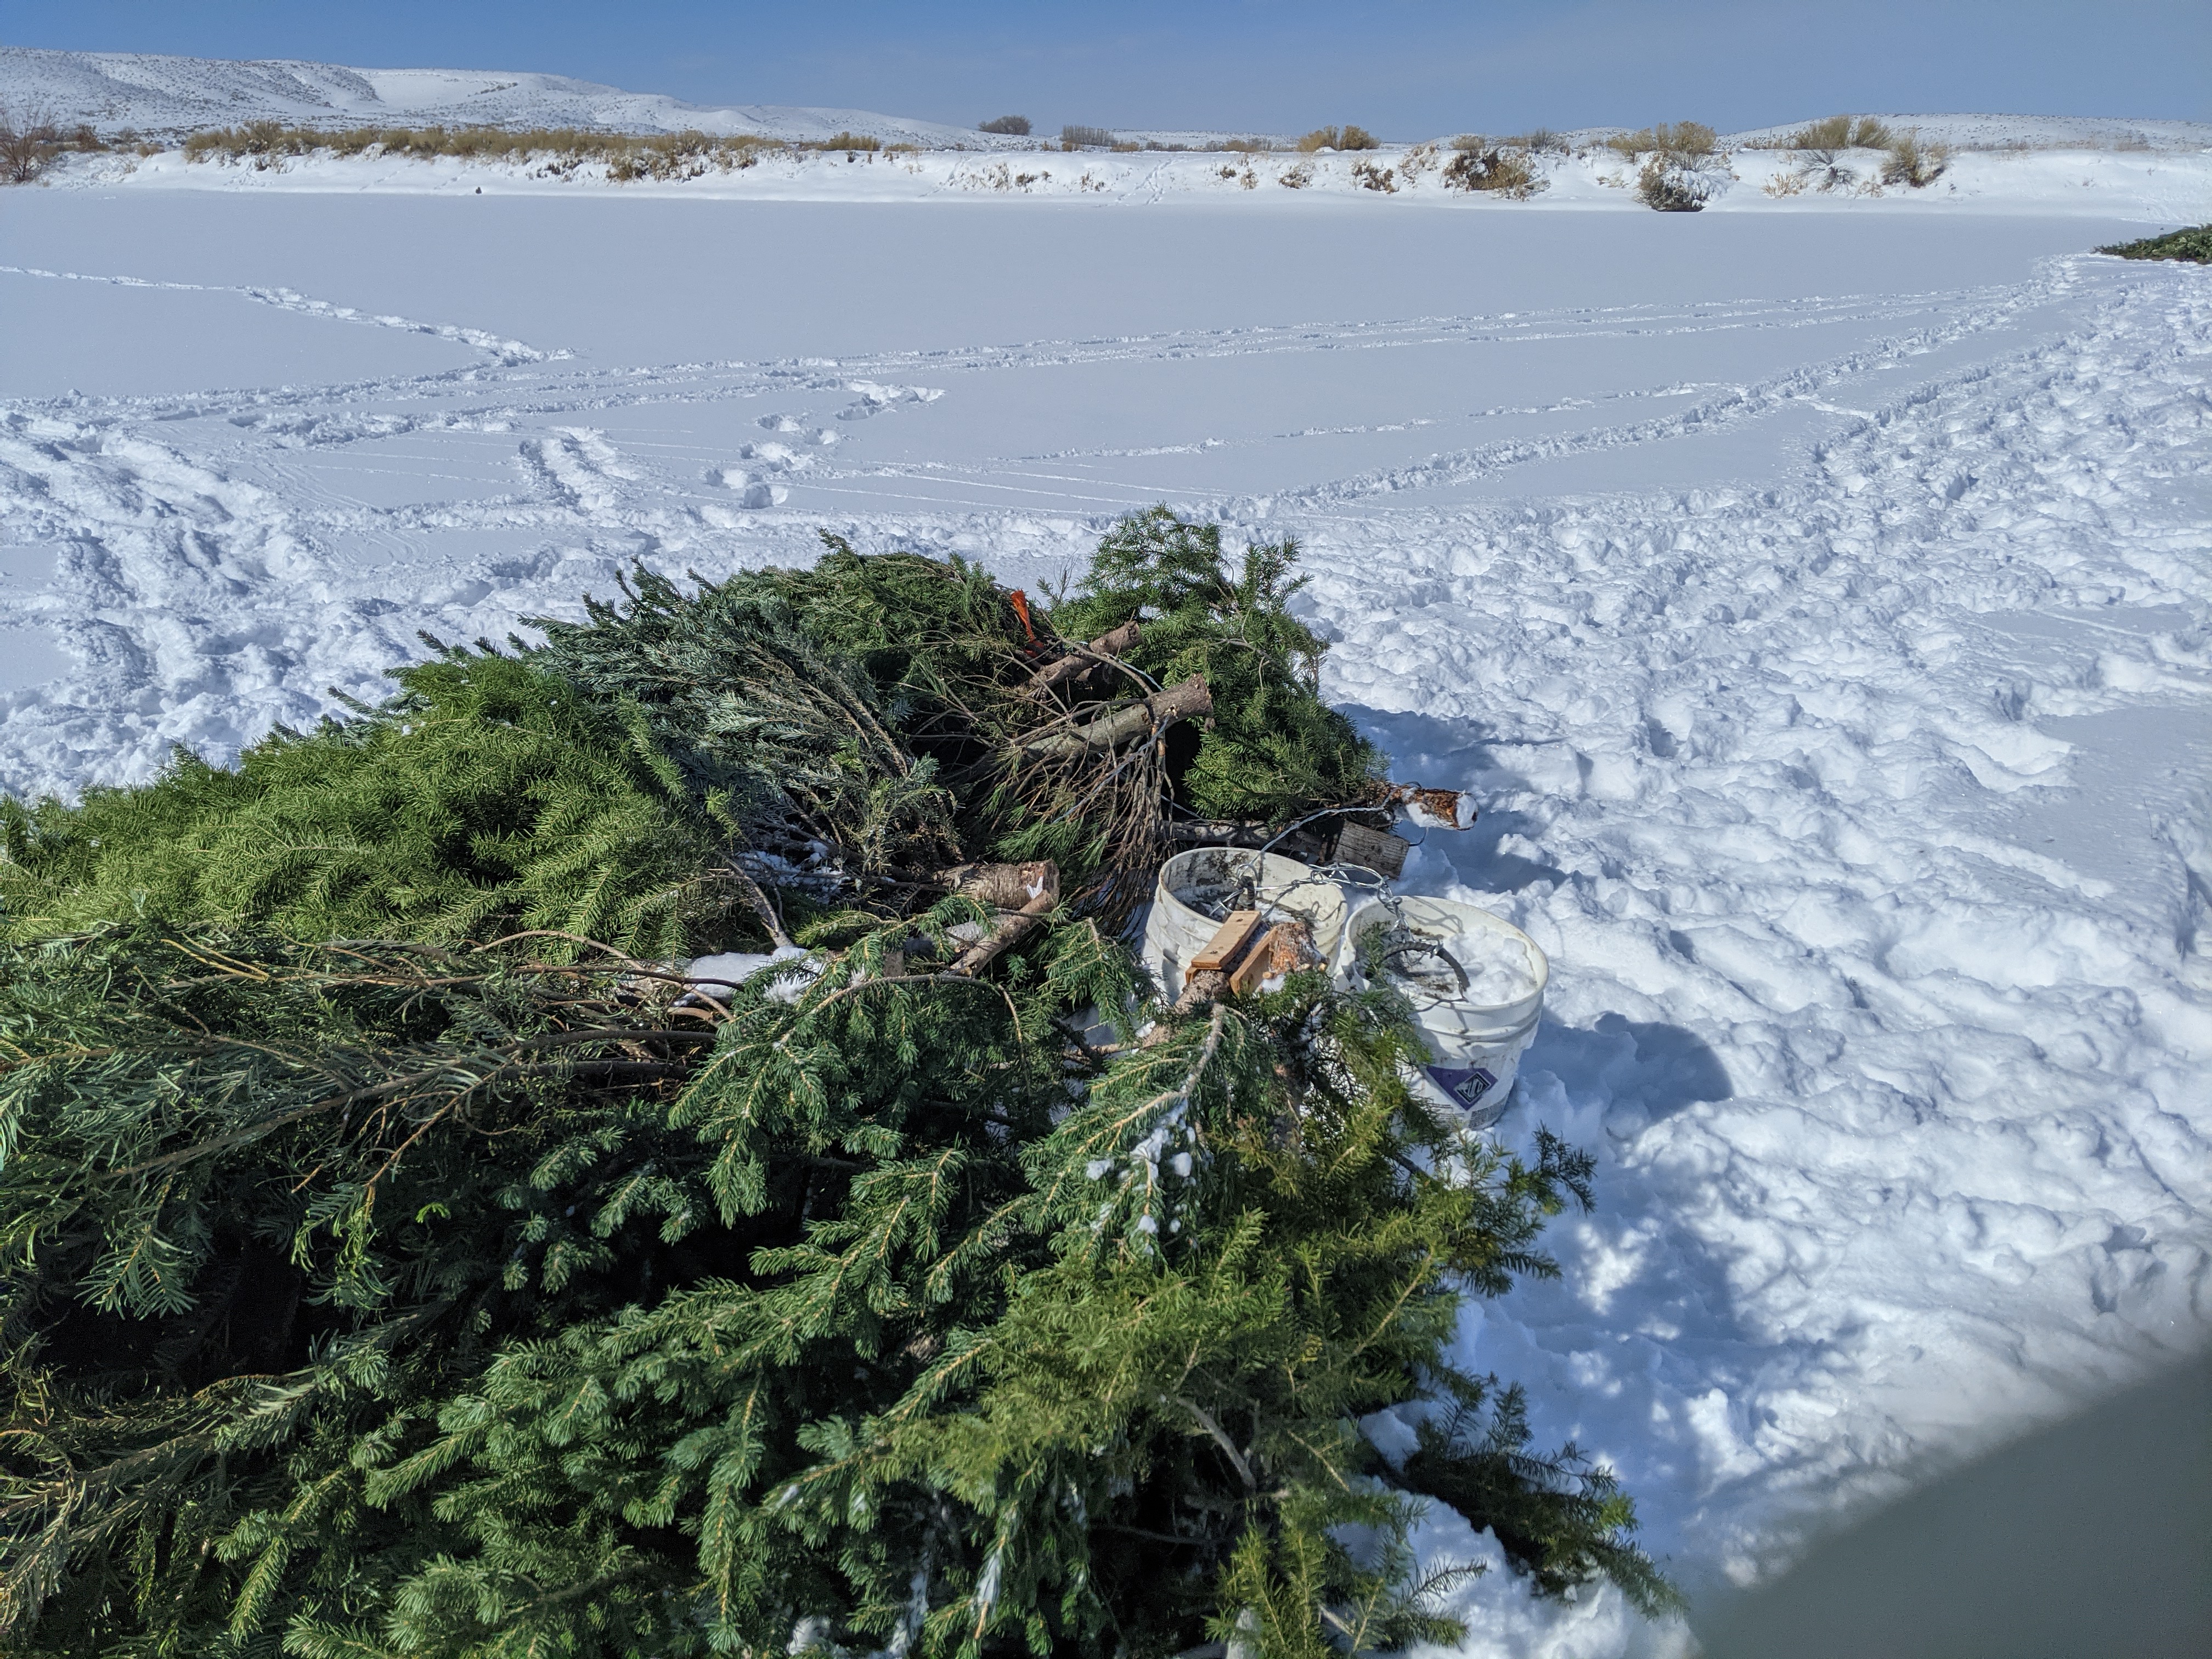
x: 1818, y: 597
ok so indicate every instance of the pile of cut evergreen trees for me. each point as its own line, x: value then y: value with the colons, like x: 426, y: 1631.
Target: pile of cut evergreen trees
x: 404, y: 1254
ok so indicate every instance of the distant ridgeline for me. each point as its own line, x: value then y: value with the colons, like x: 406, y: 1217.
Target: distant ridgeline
x: 405, y: 1254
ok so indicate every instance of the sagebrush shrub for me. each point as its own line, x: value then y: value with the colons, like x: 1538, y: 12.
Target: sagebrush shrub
x: 1492, y: 168
x: 1671, y: 184
x: 1913, y: 164
x: 1681, y: 169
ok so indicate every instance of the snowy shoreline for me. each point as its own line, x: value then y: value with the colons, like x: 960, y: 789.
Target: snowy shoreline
x: 2163, y: 187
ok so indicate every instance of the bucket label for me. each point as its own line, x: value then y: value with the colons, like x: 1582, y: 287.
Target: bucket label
x: 1465, y: 1084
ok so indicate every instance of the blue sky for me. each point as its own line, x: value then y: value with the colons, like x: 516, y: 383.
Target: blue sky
x: 1404, y: 67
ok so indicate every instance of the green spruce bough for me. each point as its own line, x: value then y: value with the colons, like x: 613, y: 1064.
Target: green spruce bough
x: 2192, y: 244
x: 401, y: 1258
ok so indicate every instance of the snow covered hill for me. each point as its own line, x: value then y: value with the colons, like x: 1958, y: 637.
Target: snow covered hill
x: 154, y: 94
x: 2155, y: 173
x: 150, y: 93
x: 2016, y: 132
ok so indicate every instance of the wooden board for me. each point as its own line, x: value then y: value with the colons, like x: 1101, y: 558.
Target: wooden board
x: 1385, y: 854
x: 1227, y: 943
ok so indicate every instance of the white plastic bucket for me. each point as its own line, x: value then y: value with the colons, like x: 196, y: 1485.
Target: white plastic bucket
x: 1178, y: 928
x: 1475, y: 1047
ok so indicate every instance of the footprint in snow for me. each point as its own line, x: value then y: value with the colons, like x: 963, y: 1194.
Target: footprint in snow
x: 751, y: 488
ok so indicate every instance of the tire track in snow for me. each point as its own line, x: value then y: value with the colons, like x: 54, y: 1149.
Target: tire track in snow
x: 501, y: 351
x: 1728, y: 408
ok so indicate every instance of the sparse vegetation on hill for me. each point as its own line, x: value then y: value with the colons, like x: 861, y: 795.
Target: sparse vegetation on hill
x: 1837, y: 132
x: 1825, y: 163
x: 2193, y: 245
x: 627, y: 155
x: 1672, y: 138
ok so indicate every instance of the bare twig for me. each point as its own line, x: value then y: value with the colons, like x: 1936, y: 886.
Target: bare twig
x: 1221, y: 1438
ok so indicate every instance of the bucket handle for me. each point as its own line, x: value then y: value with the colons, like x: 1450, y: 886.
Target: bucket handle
x: 1396, y: 952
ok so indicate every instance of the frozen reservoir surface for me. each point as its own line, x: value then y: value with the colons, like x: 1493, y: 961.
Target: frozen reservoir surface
x: 1820, y: 603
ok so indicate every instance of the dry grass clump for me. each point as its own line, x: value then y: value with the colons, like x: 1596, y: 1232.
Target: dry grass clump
x: 1344, y: 137
x: 1677, y: 138
x: 862, y: 142
x: 1839, y: 132
x: 1237, y: 146
x: 1497, y: 168
x: 1368, y: 176
x: 1076, y: 136
x: 1913, y: 164
x: 1009, y: 126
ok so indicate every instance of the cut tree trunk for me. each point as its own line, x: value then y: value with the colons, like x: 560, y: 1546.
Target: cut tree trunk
x: 1082, y: 659
x: 1138, y: 721
x: 1023, y: 893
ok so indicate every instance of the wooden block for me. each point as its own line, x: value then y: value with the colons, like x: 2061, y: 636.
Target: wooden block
x: 1385, y: 854
x: 1283, y: 949
x: 1227, y: 943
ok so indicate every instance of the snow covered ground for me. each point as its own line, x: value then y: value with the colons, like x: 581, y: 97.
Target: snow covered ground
x: 2161, y: 187
x: 1820, y: 599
